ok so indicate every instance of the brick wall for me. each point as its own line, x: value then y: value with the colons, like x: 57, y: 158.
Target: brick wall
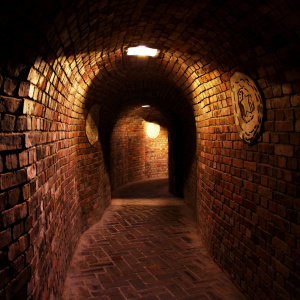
x: 135, y: 156
x: 247, y: 194
x: 58, y: 58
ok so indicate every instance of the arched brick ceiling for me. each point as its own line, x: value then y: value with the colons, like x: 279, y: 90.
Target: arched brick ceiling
x: 87, y: 39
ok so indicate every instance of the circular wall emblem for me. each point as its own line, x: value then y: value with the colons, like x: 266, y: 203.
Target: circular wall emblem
x: 247, y: 106
x: 92, y: 123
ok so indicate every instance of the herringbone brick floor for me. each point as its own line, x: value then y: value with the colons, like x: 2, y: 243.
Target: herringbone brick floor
x: 145, y: 247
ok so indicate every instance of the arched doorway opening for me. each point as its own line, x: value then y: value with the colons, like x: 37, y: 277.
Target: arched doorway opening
x: 139, y: 147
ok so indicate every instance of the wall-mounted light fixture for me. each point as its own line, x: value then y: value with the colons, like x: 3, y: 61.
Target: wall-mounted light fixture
x: 146, y: 105
x: 142, y: 51
x: 153, y: 130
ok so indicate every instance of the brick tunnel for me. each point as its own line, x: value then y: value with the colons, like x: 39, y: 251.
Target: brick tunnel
x: 65, y: 65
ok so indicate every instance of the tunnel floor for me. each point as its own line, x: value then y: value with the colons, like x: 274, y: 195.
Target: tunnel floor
x: 145, y: 247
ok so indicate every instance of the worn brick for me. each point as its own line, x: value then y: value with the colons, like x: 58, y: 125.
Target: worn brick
x: 13, y: 196
x: 21, y: 124
x: 284, y: 150
x: 11, y: 142
x: 17, y: 247
x: 9, y: 104
x: 295, y: 100
x: 11, y: 161
x: 5, y: 238
x: 32, y: 108
x: 24, y: 88
x: 8, y: 123
x: 18, y: 230
x: 10, y: 86
x: 12, y: 179
x: 14, y: 214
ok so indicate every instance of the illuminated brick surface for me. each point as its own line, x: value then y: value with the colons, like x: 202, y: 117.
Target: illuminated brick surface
x: 59, y: 57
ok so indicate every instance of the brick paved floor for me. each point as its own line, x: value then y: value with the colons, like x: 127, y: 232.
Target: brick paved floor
x: 145, y: 247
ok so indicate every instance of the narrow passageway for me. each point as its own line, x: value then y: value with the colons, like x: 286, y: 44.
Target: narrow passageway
x: 145, y: 247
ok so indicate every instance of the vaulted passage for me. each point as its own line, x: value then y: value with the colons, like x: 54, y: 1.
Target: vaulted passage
x: 224, y: 89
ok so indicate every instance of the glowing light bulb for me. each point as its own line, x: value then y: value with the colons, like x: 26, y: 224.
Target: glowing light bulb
x: 153, y: 130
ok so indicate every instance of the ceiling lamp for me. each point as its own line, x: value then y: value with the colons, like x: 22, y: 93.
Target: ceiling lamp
x: 142, y: 51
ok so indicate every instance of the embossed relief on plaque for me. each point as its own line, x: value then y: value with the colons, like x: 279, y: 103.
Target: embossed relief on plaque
x: 92, y: 123
x: 247, y: 106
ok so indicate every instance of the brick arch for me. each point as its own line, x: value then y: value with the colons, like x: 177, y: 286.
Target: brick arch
x: 245, y: 196
x: 135, y: 156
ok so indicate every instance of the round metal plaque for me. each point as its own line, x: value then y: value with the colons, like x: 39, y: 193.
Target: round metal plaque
x: 92, y: 123
x: 247, y: 106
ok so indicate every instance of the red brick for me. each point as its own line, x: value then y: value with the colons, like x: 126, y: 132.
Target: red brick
x: 21, y: 124
x: 19, y: 282
x: 9, y: 105
x: 284, y: 150
x: 284, y: 126
x: 282, y: 102
x: 18, y: 247
x: 23, y: 159
x: 11, y: 142
x: 31, y: 172
x: 250, y: 165
x: 18, y: 230
x: 287, y: 88
x: 280, y: 268
x: 9, y: 180
x: 24, y: 89
x: 265, y: 192
x: 10, y: 86
x: 295, y: 100
x: 5, y: 238
x: 13, y: 215
x: 8, y: 123
x: 11, y: 161
x: 13, y: 196
x: 238, y: 163
x: 32, y: 108
x: 281, y: 223
x: 265, y: 214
